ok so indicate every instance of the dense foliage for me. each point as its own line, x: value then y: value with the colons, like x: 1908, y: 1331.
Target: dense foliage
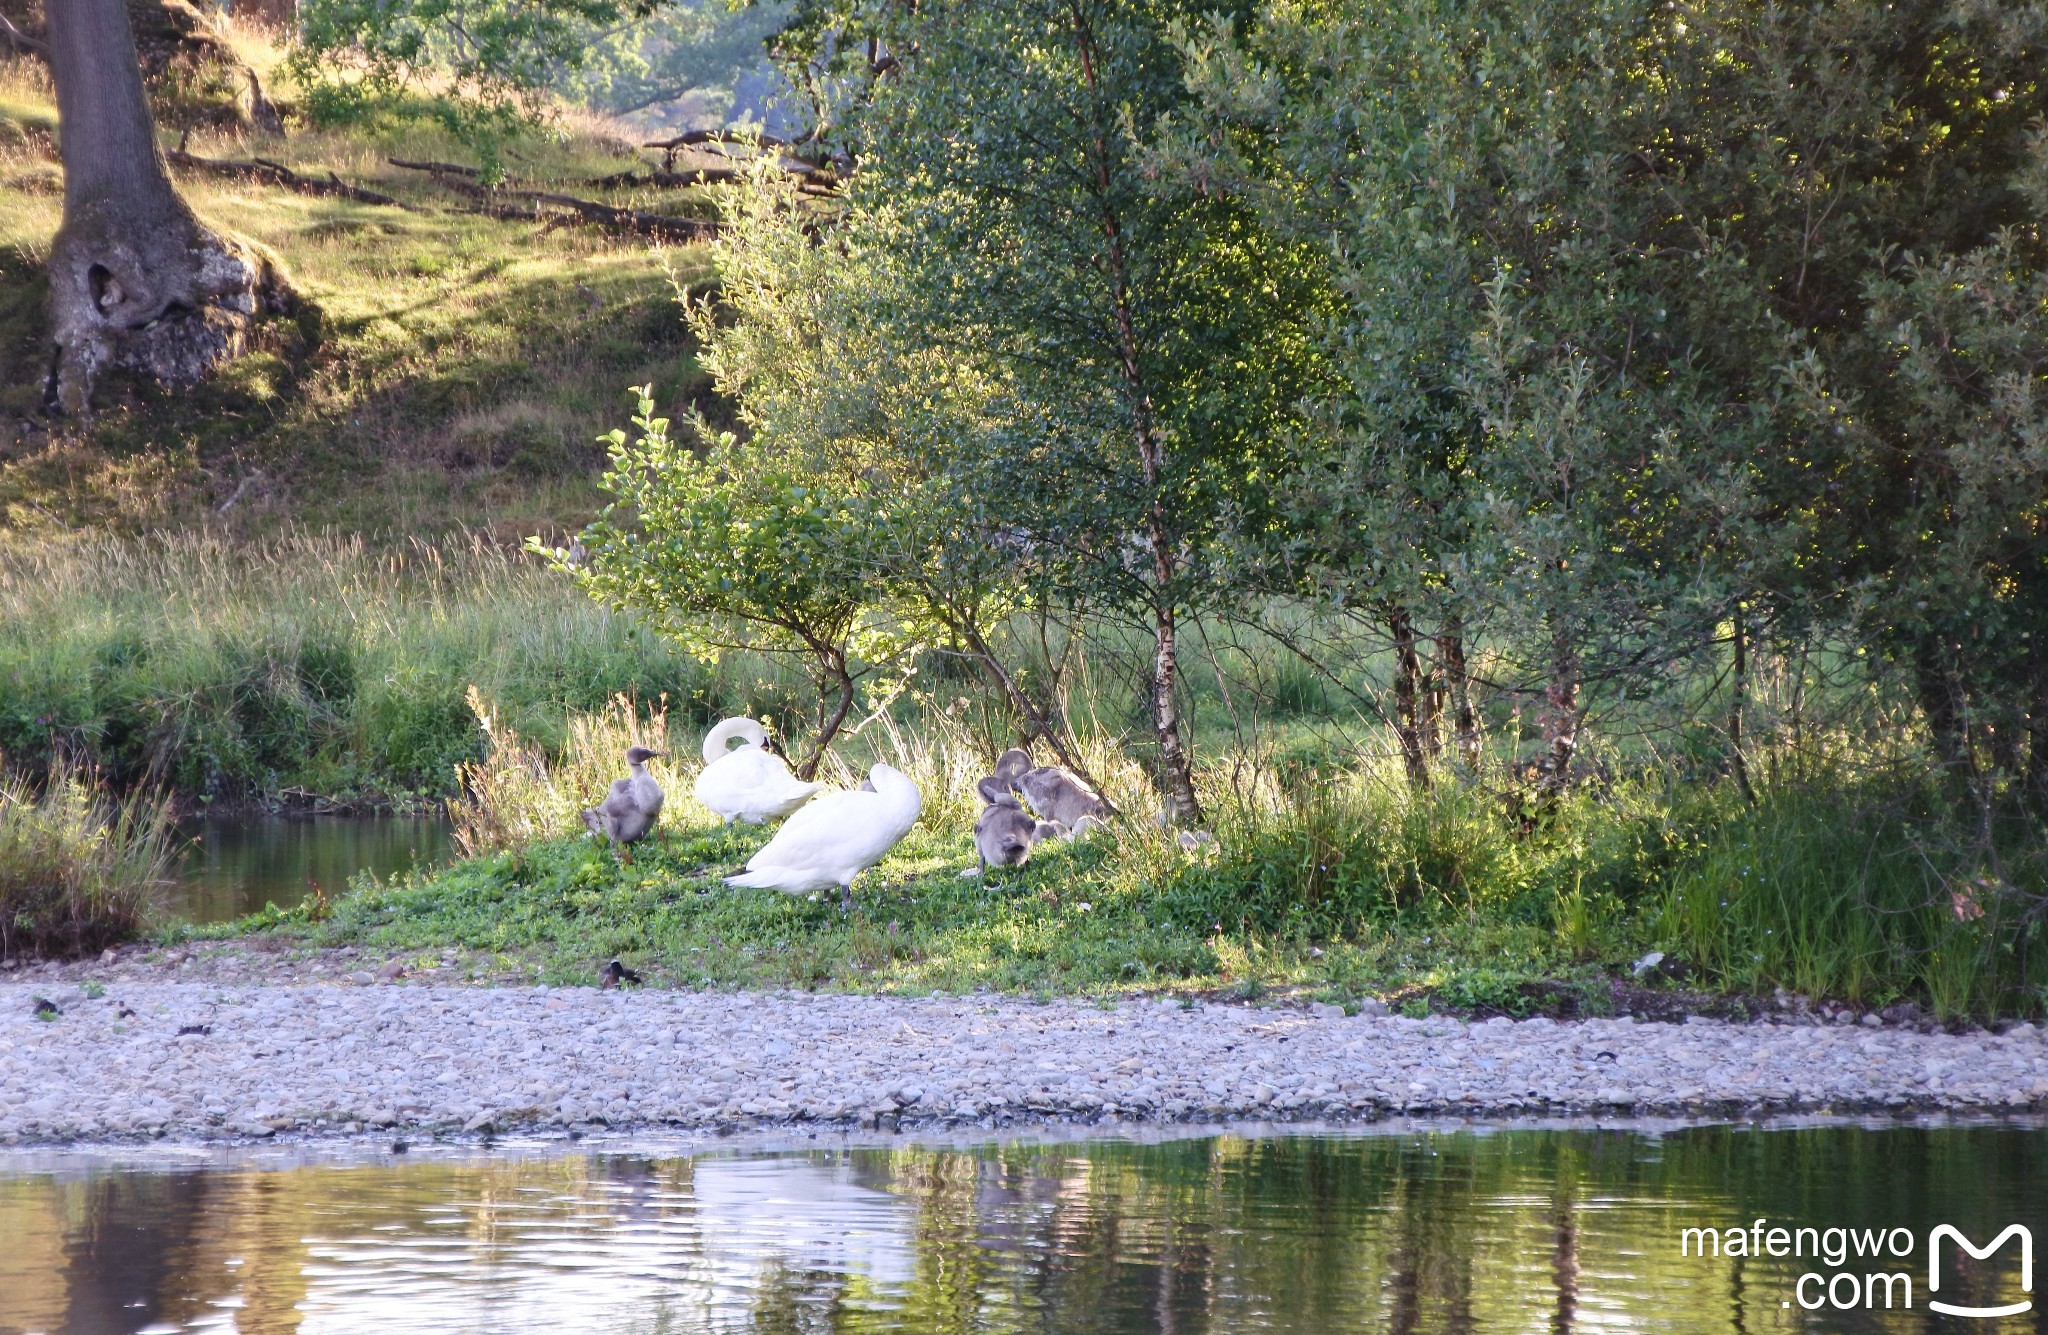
x: 1625, y: 389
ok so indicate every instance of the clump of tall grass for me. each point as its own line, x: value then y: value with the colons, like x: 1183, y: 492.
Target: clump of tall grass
x: 518, y: 794
x: 79, y: 870
x: 243, y: 669
x: 1869, y: 893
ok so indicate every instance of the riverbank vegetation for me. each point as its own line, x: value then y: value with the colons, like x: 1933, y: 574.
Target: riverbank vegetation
x: 79, y: 871
x: 1535, y: 504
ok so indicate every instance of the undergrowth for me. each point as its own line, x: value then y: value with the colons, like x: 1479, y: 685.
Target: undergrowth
x: 1360, y: 887
x: 78, y: 871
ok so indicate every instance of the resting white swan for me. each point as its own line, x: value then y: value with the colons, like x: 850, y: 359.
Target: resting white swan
x: 836, y: 837
x: 748, y: 783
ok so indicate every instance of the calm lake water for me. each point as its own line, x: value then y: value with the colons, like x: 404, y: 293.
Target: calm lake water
x: 236, y: 864
x: 1450, y: 1231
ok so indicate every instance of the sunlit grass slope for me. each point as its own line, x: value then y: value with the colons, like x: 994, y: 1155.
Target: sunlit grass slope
x: 447, y: 368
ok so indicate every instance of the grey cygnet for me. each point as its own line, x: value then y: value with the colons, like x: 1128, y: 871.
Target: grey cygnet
x: 1005, y: 833
x: 1051, y: 791
x: 632, y: 806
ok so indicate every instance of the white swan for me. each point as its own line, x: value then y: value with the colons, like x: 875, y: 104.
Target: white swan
x: 836, y: 837
x: 748, y: 783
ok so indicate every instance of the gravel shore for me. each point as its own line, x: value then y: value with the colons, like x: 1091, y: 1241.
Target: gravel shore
x: 154, y: 1055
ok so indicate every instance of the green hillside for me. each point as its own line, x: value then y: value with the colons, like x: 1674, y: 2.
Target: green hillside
x: 448, y: 369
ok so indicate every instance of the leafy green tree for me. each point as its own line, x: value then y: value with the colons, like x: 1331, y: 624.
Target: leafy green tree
x: 726, y: 547
x: 1130, y: 341
x: 1495, y: 451
x: 806, y: 341
x: 1665, y: 326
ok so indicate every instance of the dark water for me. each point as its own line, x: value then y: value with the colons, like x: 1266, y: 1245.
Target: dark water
x: 1507, y: 1231
x: 236, y: 864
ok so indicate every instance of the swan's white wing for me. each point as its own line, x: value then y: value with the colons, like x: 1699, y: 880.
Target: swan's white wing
x: 750, y: 780
x: 817, y: 831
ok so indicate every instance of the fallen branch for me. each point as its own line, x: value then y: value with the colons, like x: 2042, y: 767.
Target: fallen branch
x: 698, y: 138
x: 276, y: 173
x: 666, y: 180
x: 442, y: 168
x: 533, y: 203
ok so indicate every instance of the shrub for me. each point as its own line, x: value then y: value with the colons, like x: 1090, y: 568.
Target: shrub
x: 78, y: 870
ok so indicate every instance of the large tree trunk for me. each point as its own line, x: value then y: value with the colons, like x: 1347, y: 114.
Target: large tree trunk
x: 136, y: 280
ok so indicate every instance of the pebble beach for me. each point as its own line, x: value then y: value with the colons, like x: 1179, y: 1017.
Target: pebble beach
x: 146, y: 1051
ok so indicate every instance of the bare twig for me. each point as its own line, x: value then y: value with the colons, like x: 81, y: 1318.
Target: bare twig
x: 21, y: 41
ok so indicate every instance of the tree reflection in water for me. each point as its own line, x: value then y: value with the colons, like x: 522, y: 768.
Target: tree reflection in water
x: 1413, y: 1234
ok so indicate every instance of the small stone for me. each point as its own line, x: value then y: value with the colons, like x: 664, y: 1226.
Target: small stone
x: 482, y: 1121
x: 1873, y: 1021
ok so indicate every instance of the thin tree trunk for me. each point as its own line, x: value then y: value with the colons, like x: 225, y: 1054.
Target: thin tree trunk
x: 1175, y: 770
x: 1561, y: 717
x: 1429, y: 706
x: 1940, y: 701
x: 2037, y: 754
x: 1737, y: 694
x: 135, y: 279
x: 1175, y: 779
x: 976, y: 645
x: 828, y: 726
x: 1464, y: 722
x: 1408, y: 691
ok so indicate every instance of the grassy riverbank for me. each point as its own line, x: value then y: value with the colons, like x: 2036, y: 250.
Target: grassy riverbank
x: 1359, y: 888
x: 307, y: 665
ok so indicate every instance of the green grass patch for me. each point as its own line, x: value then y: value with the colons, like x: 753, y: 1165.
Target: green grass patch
x: 447, y: 370
x: 1438, y: 903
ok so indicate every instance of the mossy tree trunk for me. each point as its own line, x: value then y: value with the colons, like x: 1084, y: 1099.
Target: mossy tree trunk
x: 136, y: 280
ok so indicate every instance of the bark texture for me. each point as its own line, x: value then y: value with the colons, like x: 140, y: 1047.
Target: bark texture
x: 1458, y: 677
x: 136, y: 280
x: 1410, y: 692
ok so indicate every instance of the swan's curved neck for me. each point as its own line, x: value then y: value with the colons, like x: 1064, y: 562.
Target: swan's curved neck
x: 720, y: 737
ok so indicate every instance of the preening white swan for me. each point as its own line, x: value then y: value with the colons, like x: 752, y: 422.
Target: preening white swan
x: 748, y: 783
x: 836, y: 837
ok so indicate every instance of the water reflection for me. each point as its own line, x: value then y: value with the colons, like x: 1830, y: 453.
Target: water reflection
x: 1452, y: 1232
x: 236, y: 864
